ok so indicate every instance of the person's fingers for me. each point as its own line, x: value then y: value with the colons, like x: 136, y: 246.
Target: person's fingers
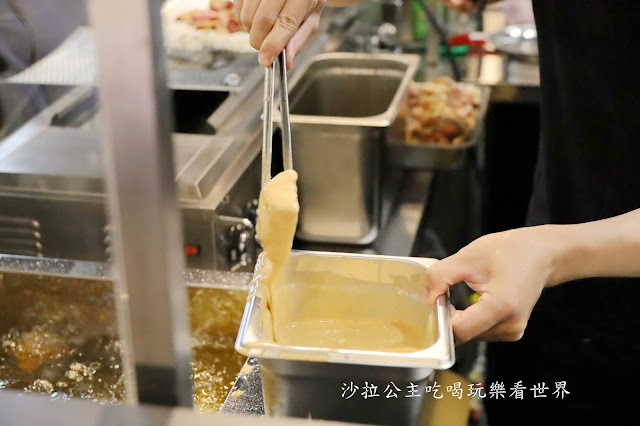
x: 237, y: 9
x: 509, y: 330
x: 284, y: 27
x: 479, y: 317
x: 248, y: 13
x: 445, y: 273
x: 306, y: 30
x: 264, y: 20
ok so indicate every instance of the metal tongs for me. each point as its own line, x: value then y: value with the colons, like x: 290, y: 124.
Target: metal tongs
x: 267, y: 126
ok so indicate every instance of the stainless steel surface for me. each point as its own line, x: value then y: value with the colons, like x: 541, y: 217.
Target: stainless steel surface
x: 72, y: 224
x: 102, y: 271
x: 307, y: 381
x: 69, y: 160
x: 29, y: 410
x: 401, y: 229
x: 73, y: 63
x: 314, y: 390
x: 151, y: 301
x: 222, y: 177
x: 377, y: 81
x: 20, y: 235
x: 434, y: 156
x: 517, y: 40
x: 267, y: 127
x: 404, y: 198
x: 285, y: 125
x: 245, y: 398
x: 338, y: 142
x: 267, y: 116
x: 253, y: 342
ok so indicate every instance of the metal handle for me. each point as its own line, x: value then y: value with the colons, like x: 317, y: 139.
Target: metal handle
x: 267, y: 125
x: 284, y: 112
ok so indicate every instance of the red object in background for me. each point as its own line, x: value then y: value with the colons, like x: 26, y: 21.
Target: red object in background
x: 192, y: 250
x: 233, y: 26
x: 217, y: 5
x: 471, y: 39
x: 206, y: 15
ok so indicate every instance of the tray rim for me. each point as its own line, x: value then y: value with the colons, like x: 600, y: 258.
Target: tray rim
x: 440, y: 355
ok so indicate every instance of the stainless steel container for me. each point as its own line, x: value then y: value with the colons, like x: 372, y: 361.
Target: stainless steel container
x: 431, y: 156
x: 303, y: 381
x: 340, y: 105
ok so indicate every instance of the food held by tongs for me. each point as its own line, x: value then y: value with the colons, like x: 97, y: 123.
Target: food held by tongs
x: 278, y: 205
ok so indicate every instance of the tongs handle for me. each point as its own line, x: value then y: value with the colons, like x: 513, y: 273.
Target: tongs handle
x: 284, y: 113
x: 267, y: 125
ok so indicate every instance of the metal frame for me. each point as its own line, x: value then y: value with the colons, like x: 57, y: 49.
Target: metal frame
x: 147, y: 238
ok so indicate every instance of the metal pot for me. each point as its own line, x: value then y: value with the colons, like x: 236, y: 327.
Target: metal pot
x: 341, y: 104
x: 305, y: 381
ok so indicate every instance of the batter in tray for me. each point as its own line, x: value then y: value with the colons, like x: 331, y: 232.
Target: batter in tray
x: 313, y: 310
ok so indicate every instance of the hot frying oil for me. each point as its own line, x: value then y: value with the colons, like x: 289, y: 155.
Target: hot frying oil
x: 58, y: 336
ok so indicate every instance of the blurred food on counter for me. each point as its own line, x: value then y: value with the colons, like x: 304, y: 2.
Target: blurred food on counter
x: 219, y: 17
x: 441, y: 111
x: 203, y: 24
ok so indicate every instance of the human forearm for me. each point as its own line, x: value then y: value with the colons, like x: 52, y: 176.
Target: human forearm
x: 510, y: 270
x: 609, y: 247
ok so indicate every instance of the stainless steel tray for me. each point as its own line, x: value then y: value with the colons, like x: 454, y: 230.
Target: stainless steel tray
x: 69, y: 160
x: 433, y: 156
x: 304, y: 381
x: 340, y: 105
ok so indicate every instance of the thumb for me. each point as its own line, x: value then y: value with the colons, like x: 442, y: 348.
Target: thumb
x: 443, y: 274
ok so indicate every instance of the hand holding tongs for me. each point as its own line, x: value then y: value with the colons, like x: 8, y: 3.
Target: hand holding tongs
x: 267, y: 127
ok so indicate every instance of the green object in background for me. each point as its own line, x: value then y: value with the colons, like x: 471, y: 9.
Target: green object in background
x: 455, y: 50
x: 420, y: 22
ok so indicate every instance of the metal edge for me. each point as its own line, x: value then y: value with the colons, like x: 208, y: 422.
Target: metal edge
x: 381, y: 120
x: 257, y: 348
x: 367, y: 239
x: 40, y: 121
x: 99, y: 271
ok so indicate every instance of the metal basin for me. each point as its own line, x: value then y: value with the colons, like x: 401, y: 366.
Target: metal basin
x: 58, y: 333
x: 340, y: 105
x: 304, y: 381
